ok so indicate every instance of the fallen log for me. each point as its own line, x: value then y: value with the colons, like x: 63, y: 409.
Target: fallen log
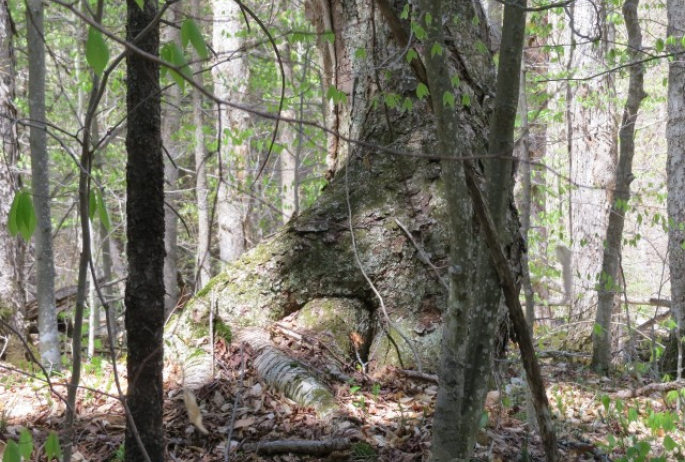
x: 314, y: 448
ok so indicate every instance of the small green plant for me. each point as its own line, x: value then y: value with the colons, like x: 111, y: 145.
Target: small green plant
x: 119, y: 454
x: 363, y: 452
x: 23, y: 449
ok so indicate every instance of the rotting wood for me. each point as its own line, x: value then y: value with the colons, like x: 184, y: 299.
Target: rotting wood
x: 314, y: 448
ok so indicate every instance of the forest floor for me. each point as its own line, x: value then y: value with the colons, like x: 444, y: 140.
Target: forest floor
x: 384, y: 417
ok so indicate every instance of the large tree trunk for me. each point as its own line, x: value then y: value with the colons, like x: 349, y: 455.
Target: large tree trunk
x: 593, y: 159
x: 11, y: 303
x: 609, y: 281
x: 145, y: 233
x: 675, y: 135
x: 40, y: 184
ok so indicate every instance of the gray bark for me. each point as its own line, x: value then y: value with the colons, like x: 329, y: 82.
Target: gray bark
x: 230, y: 76
x: 291, y: 149
x: 203, y: 269
x: 11, y: 303
x: 609, y: 281
x: 40, y: 177
x: 675, y: 135
x: 594, y: 128
x: 171, y: 125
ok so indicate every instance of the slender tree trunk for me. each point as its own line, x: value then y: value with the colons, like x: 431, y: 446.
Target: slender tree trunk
x: 11, y: 303
x: 290, y: 155
x: 145, y: 232
x: 171, y: 125
x: 40, y: 176
x: 231, y: 76
x: 203, y: 263
x: 675, y: 135
x: 594, y: 157
x: 609, y: 281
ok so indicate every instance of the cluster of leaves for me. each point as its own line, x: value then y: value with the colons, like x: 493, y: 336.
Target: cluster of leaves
x: 18, y: 451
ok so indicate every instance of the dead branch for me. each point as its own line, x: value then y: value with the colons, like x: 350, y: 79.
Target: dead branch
x: 651, y: 388
x: 419, y: 375
x: 314, y: 448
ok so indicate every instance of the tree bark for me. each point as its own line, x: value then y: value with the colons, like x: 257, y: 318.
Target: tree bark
x: 11, y: 300
x: 609, y: 285
x: 230, y: 83
x: 203, y: 263
x: 40, y: 183
x: 675, y: 135
x: 145, y: 232
x: 171, y: 118
x: 594, y: 128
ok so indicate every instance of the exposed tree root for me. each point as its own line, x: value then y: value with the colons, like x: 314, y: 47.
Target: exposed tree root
x: 651, y: 388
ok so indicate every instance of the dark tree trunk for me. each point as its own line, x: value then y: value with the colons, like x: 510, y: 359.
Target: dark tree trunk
x: 145, y: 232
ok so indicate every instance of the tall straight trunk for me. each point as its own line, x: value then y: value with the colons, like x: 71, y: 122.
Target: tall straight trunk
x: 203, y: 263
x: 231, y: 76
x: 145, y: 232
x: 171, y: 125
x: 290, y: 155
x: 609, y: 279
x: 40, y: 183
x: 594, y: 157
x: 675, y: 135
x: 11, y: 303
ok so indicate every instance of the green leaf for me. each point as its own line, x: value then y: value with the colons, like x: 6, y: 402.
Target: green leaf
x: 190, y: 31
x: 419, y: 31
x: 97, y: 52
x: 407, y: 104
x: 12, y: 453
x: 52, y: 447
x: 448, y: 99
x: 102, y: 212
x: 597, y: 329
x: 436, y: 50
x: 606, y: 401
x: 428, y: 18
x: 173, y: 54
x: 360, y: 53
x: 140, y: 3
x: 405, y: 12
x: 422, y: 90
x: 465, y: 100
x: 12, y: 218
x: 26, y: 217
x: 25, y: 444
x: 92, y: 205
x: 632, y: 414
x: 336, y: 95
x: 669, y: 444
x: 411, y: 54
x: 659, y: 45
